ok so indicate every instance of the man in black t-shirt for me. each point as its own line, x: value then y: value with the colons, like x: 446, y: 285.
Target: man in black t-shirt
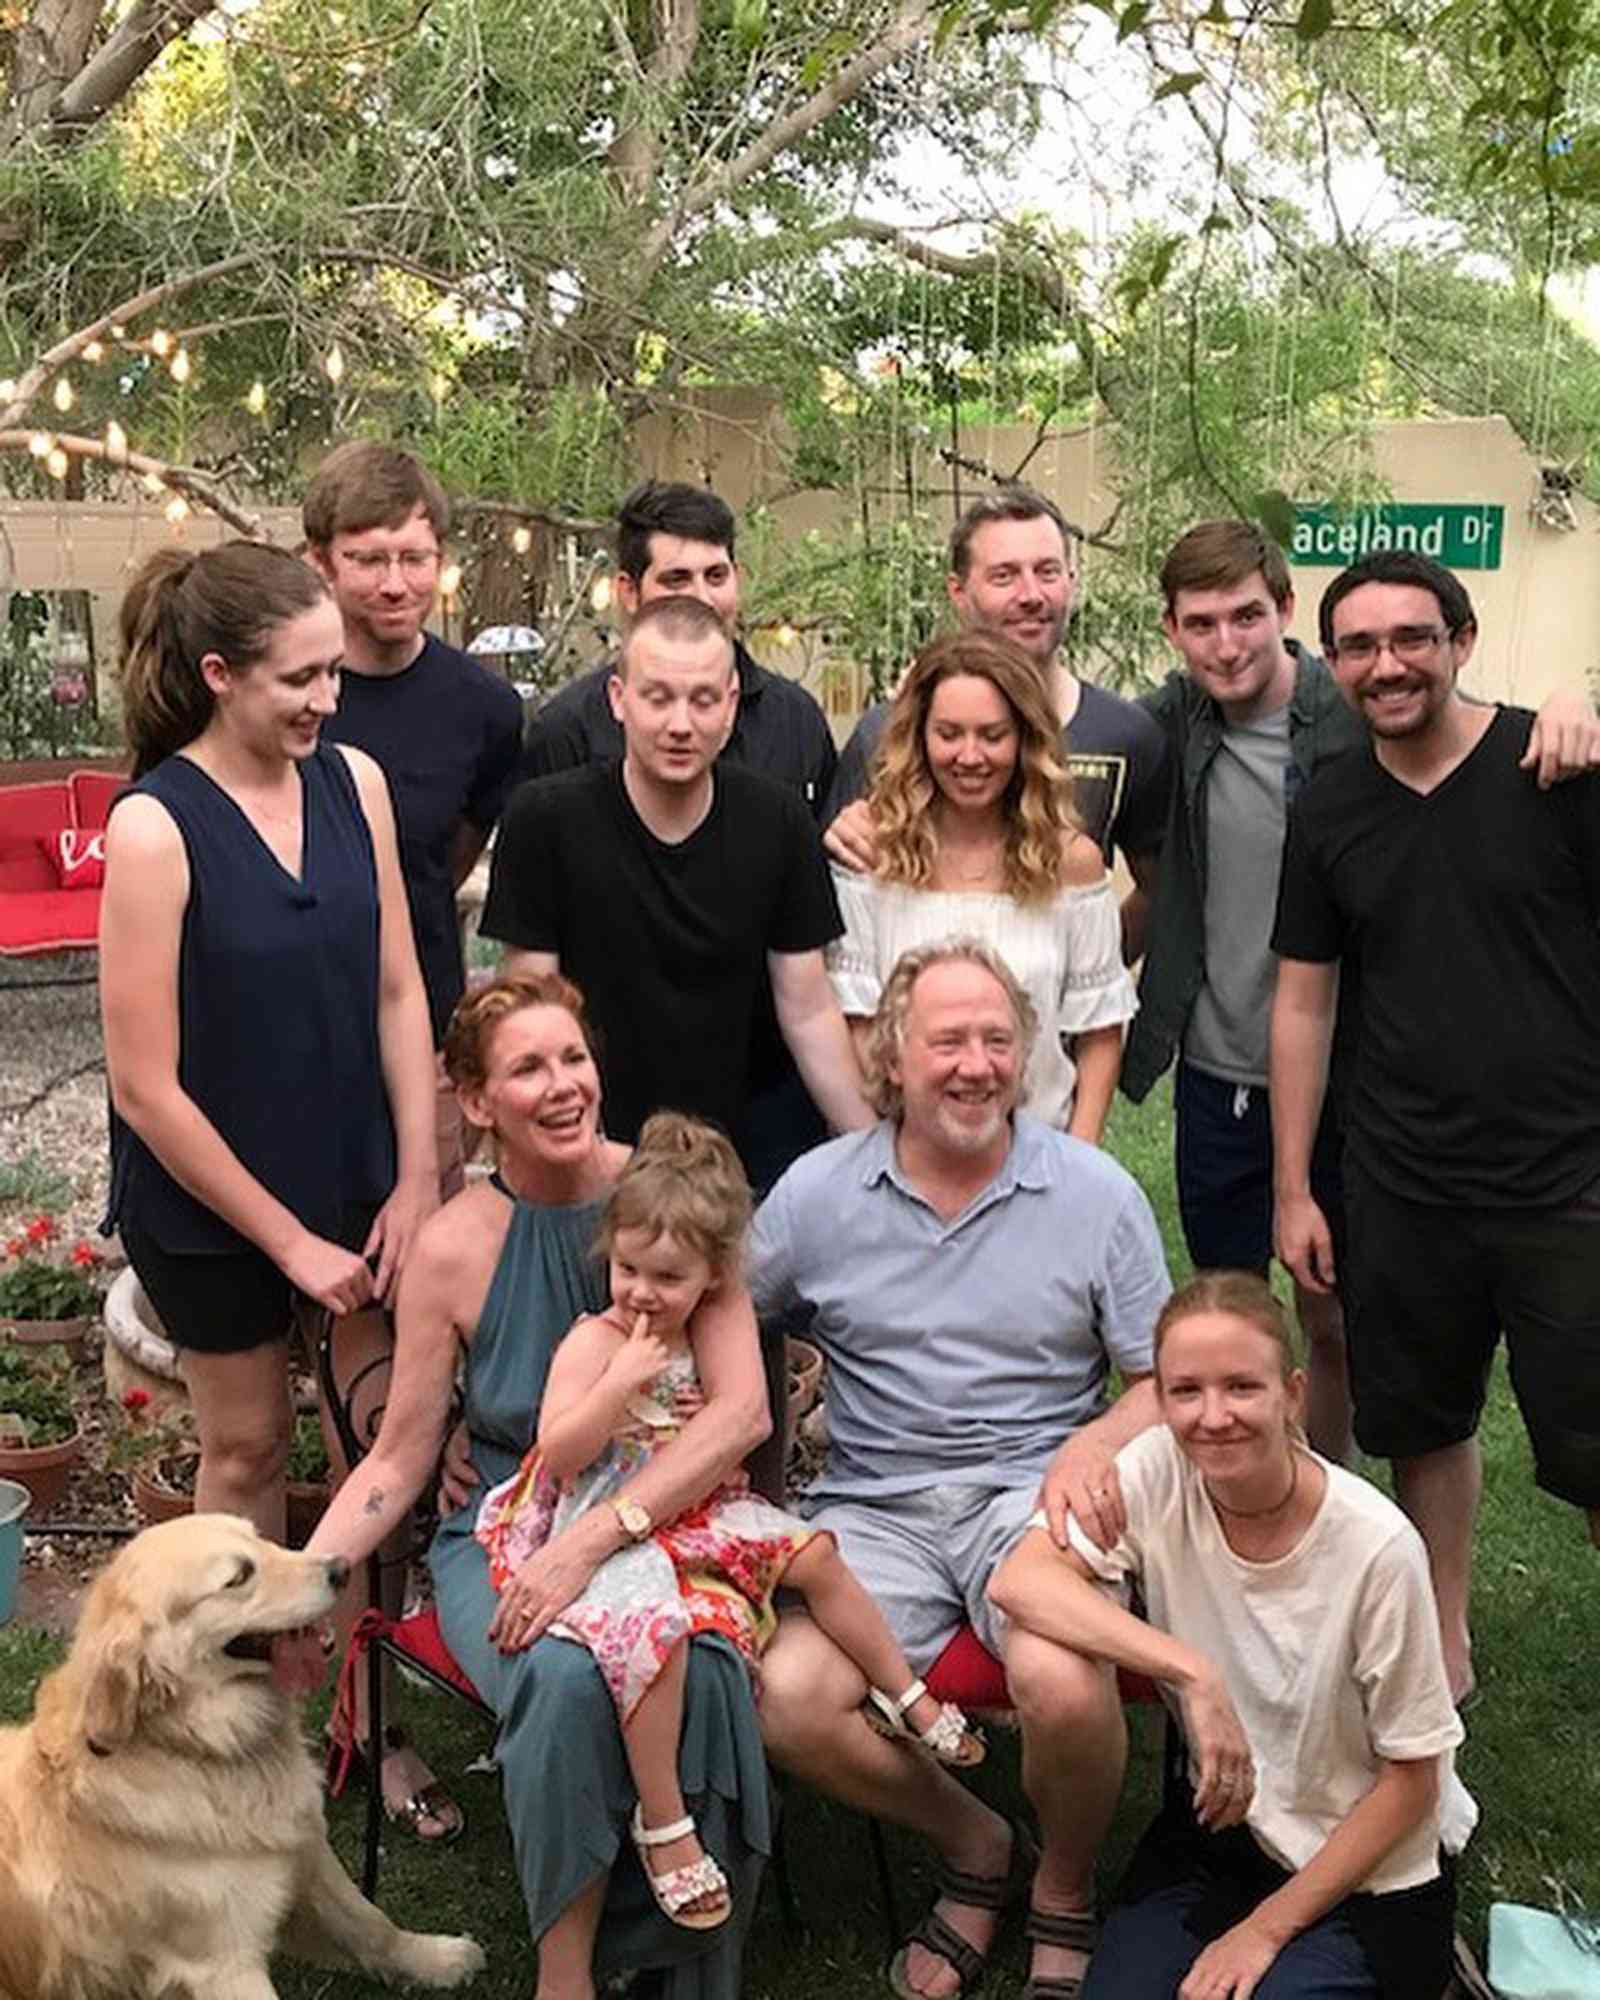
x: 670, y: 886
x: 1472, y: 1104
x: 677, y: 540
x: 1011, y: 571
x: 446, y: 730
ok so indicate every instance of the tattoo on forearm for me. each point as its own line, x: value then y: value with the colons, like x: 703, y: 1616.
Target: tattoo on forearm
x: 375, y: 1499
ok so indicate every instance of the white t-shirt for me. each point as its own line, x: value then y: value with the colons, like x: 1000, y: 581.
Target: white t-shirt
x: 1330, y: 1653
x: 1065, y: 954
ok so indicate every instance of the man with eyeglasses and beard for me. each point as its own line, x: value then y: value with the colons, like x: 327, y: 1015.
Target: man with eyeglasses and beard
x: 1470, y: 899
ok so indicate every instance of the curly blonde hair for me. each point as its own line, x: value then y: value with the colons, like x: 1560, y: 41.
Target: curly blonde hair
x: 682, y: 1180
x: 886, y: 1037
x: 1038, y: 799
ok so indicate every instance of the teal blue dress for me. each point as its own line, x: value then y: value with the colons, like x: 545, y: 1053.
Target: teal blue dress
x: 568, y: 1792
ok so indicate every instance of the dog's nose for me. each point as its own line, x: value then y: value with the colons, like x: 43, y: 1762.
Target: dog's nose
x: 338, y: 1572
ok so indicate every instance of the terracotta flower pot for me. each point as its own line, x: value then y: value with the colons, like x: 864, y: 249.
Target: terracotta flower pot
x: 157, y: 1501
x: 43, y: 1468
x: 40, y: 1332
x: 805, y: 1377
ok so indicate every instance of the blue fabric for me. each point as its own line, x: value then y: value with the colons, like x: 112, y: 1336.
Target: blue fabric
x: 277, y: 1011
x: 568, y: 1793
x: 1147, y: 1947
x: 448, y: 732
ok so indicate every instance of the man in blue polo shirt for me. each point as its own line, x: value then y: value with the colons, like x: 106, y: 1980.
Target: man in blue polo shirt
x: 973, y: 1277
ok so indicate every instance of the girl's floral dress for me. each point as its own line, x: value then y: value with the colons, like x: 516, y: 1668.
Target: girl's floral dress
x: 713, y: 1569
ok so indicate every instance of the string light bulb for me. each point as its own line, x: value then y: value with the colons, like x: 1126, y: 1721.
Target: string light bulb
x: 94, y: 350
x: 8, y: 389
x: 256, y: 401
x: 161, y: 342
x: 62, y: 395
x: 334, y: 365
x: 177, y: 510
x: 56, y: 463
x: 522, y: 539
x: 41, y: 444
x: 118, y: 330
x: 600, y: 594
x: 785, y: 634
x: 449, y: 580
x: 116, y: 442
x: 181, y: 367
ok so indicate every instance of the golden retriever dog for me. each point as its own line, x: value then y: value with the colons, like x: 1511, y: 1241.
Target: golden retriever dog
x: 161, y: 1825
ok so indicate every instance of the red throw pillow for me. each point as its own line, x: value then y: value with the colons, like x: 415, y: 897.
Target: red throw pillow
x: 78, y: 856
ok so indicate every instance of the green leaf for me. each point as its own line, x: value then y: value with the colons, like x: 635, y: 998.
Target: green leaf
x: 823, y: 58
x: 1275, y: 510
x: 949, y: 21
x: 1177, y: 86
x: 1161, y: 262
x: 1132, y: 19
x: 1215, y: 223
x: 1217, y: 14
x: 749, y: 22
x: 1314, y: 19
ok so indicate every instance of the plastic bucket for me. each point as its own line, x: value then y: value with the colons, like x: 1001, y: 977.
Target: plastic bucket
x: 15, y: 1501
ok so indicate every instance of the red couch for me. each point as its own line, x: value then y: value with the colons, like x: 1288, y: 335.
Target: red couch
x: 37, y: 913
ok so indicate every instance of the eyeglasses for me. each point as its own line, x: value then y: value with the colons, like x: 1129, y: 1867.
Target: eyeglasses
x: 373, y: 563
x: 1411, y: 645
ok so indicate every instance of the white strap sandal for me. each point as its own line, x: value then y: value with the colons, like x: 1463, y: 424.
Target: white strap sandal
x: 948, y: 1736
x: 681, y: 1886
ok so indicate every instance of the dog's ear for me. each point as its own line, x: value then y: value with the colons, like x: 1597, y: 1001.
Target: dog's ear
x: 95, y: 1699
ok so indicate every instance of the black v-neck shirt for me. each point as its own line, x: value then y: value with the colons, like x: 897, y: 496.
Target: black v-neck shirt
x: 1474, y: 910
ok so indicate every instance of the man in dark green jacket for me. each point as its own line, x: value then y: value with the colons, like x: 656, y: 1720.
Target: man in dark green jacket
x: 1246, y: 724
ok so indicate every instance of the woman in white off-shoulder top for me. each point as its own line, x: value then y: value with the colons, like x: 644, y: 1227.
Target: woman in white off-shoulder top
x: 972, y: 812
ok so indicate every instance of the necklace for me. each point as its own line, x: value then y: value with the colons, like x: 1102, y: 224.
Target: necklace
x: 1259, y: 1513
x: 988, y: 860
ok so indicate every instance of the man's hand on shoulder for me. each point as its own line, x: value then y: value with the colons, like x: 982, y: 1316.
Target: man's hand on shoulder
x: 1564, y: 741
x: 850, y: 839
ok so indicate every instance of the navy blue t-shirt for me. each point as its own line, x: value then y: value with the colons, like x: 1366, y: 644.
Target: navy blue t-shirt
x: 448, y: 734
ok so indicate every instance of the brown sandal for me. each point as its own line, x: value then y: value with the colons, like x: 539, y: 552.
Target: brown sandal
x: 977, y: 1892
x: 1077, y: 1930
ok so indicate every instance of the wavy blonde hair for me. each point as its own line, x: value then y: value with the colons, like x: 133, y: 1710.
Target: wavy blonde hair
x: 886, y: 1037
x: 1038, y: 799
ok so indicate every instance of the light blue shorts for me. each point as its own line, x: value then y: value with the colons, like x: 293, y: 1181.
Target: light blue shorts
x: 927, y: 1558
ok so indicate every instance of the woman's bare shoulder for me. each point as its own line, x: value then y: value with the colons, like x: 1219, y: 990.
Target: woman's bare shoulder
x: 462, y: 1240
x: 1082, y: 864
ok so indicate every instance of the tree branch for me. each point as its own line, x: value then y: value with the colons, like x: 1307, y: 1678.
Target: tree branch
x: 181, y: 478
x: 109, y: 74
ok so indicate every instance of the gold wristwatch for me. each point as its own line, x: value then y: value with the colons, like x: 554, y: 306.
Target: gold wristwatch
x: 636, y: 1521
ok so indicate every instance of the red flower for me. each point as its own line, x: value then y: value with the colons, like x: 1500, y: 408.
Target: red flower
x: 134, y: 1400
x: 17, y: 1247
x: 85, y: 1256
x: 42, y: 1229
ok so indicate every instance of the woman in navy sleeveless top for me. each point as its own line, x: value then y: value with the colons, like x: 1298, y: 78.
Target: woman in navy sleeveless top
x: 266, y: 1033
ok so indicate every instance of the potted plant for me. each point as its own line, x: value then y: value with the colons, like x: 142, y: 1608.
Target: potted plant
x: 40, y: 1441
x: 44, y: 1295
x: 161, y: 1452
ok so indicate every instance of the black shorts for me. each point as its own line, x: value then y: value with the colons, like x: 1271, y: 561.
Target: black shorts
x: 226, y: 1303
x: 1429, y: 1290
x: 1224, y: 1166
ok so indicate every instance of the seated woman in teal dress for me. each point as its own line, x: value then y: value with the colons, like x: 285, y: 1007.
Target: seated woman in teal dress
x: 501, y: 1272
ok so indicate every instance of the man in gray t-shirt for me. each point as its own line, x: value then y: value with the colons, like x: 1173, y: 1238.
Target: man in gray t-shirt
x: 973, y: 1277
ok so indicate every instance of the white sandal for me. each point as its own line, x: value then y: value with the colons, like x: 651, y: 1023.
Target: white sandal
x: 948, y: 1736
x: 680, y: 1886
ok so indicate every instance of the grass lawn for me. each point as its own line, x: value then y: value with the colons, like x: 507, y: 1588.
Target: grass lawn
x: 1532, y: 1759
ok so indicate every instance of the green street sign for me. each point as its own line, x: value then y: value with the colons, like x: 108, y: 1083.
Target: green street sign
x: 1459, y: 537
